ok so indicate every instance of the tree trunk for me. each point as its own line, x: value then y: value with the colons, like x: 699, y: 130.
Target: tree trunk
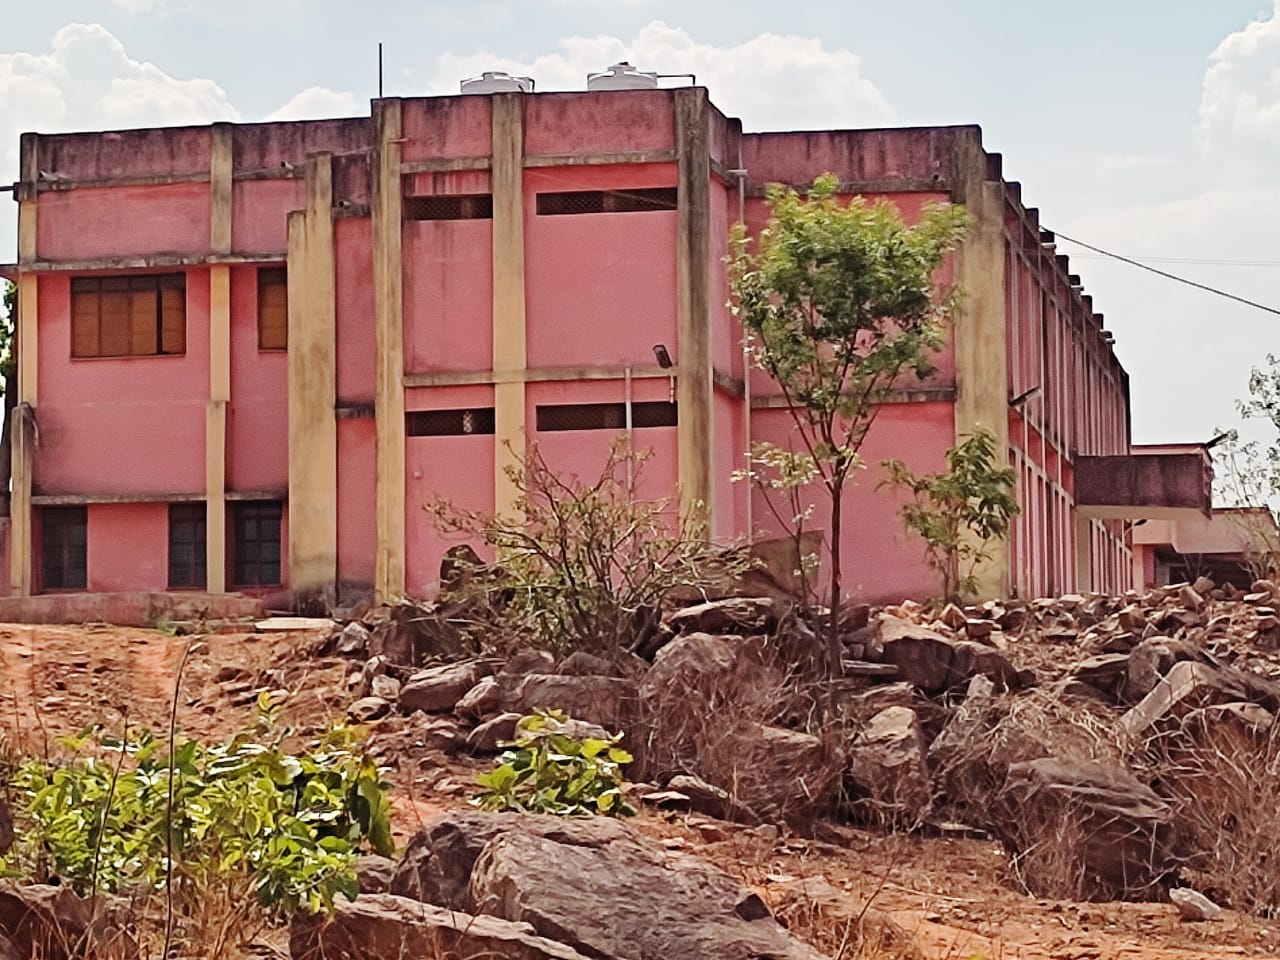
x: 834, y: 647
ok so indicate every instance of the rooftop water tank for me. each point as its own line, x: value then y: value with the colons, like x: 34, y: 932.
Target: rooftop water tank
x: 622, y: 76
x: 497, y: 81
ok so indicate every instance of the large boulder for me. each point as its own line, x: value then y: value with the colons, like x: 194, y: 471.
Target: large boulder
x: 438, y: 689
x: 736, y: 615
x: 887, y: 771
x: 1190, y: 685
x: 608, y: 701
x: 381, y: 926
x: 52, y: 923
x: 1085, y: 830
x: 593, y: 885
x: 935, y: 663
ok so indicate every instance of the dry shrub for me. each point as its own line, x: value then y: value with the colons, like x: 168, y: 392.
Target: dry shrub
x: 839, y: 926
x: 970, y: 760
x: 726, y: 710
x: 1220, y: 770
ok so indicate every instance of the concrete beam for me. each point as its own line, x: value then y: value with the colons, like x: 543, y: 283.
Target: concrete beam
x: 693, y: 304
x: 313, y: 431
x: 388, y: 295
x: 27, y: 343
x: 510, y: 356
x: 221, y: 165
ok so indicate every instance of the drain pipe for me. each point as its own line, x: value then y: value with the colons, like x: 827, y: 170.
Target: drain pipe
x: 748, y: 461
x: 631, y: 447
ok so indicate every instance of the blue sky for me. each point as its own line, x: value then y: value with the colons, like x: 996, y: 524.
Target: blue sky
x: 1149, y: 128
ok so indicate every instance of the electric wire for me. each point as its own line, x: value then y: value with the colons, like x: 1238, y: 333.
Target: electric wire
x: 1167, y: 275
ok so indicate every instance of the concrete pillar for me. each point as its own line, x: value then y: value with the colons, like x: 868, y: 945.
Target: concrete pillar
x: 693, y: 305
x: 388, y: 281
x: 221, y: 166
x: 313, y: 427
x: 22, y: 433
x: 509, y: 340
x: 980, y: 335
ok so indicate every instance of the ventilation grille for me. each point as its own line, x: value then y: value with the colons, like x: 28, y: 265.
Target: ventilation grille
x: 449, y: 423
x: 607, y: 201
x: 605, y: 416
x: 475, y: 206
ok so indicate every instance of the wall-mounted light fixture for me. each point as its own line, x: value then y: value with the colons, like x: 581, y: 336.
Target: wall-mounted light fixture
x: 663, y: 357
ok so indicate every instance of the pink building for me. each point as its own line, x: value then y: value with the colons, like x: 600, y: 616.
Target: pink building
x: 249, y: 354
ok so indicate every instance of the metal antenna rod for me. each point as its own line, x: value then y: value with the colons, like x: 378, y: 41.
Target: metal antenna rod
x: 379, y: 69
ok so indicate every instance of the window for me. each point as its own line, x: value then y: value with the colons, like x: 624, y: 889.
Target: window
x: 256, y: 530
x: 607, y: 201
x: 187, y: 545
x: 64, y: 535
x: 606, y: 416
x: 447, y: 423
x: 473, y: 206
x: 273, y: 308
x: 141, y: 316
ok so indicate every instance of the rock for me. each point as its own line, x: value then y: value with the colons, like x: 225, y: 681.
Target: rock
x: 1203, y: 586
x: 687, y: 792
x: 617, y: 896
x: 353, y: 641
x: 385, y: 686
x: 381, y: 926
x: 1187, y: 685
x: 439, y: 733
x: 953, y: 616
x: 980, y: 630
x: 6, y: 826
x: 361, y: 684
x: 529, y: 661
x: 1193, y: 905
x: 482, y: 700
x: 1085, y: 830
x: 1150, y: 660
x: 1107, y: 673
x: 583, y: 664
x: 490, y: 735
x: 934, y: 663
x: 438, y: 689
x: 1190, y: 598
x: 45, y: 922
x: 732, y: 615
x: 374, y: 873
x: 887, y: 769
x: 367, y: 709
x: 785, y: 774
x: 608, y: 701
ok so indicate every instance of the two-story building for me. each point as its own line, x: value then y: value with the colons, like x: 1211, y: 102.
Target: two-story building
x: 250, y: 353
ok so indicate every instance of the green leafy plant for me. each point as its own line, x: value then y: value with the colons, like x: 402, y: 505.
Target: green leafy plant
x: 580, y: 563
x: 838, y: 302
x: 960, y: 511
x: 547, y: 771
x: 249, y: 818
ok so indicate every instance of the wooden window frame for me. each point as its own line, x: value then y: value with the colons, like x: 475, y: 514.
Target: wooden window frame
x: 188, y: 527
x: 248, y: 571
x: 129, y: 315
x: 273, y: 309
x: 59, y: 541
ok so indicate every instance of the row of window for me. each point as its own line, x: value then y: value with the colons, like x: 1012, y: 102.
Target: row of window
x: 255, y: 545
x: 479, y: 206
x: 146, y: 316
x: 551, y: 418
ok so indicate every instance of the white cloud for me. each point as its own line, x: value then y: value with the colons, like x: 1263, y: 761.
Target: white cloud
x: 772, y: 81
x: 88, y: 81
x: 1240, y: 96
x: 319, y: 102
x: 1129, y: 163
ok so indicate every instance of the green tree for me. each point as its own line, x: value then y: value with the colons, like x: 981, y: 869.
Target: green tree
x: 958, y: 512
x: 838, y: 302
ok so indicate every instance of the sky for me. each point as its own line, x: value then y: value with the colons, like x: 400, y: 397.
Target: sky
x: 1150, y: 128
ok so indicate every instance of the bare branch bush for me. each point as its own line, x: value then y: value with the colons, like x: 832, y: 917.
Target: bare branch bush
x: 582, y: 564
x: 1221, y: 772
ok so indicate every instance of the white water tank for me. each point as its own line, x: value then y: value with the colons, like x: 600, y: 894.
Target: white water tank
x: 497, y: 81
x: 622, y: 76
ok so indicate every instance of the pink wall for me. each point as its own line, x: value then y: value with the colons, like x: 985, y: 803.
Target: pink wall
x: 260, y: 214
x: 448, y: 295
x: 353, y: 250
x: 258, y: 415
x: 446, y: 127
x: 128, y: 546
x: 560, y: 123
x: 727, y: 456
x: 601, y: 287
x: 103, y: 422
x: 357, y: 532
x: 881, y: 562
x: 458, y: 469
x: 84, y: 224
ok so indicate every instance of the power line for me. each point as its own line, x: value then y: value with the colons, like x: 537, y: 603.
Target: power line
x: 1167, y: 275
x: 1198, y: 261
